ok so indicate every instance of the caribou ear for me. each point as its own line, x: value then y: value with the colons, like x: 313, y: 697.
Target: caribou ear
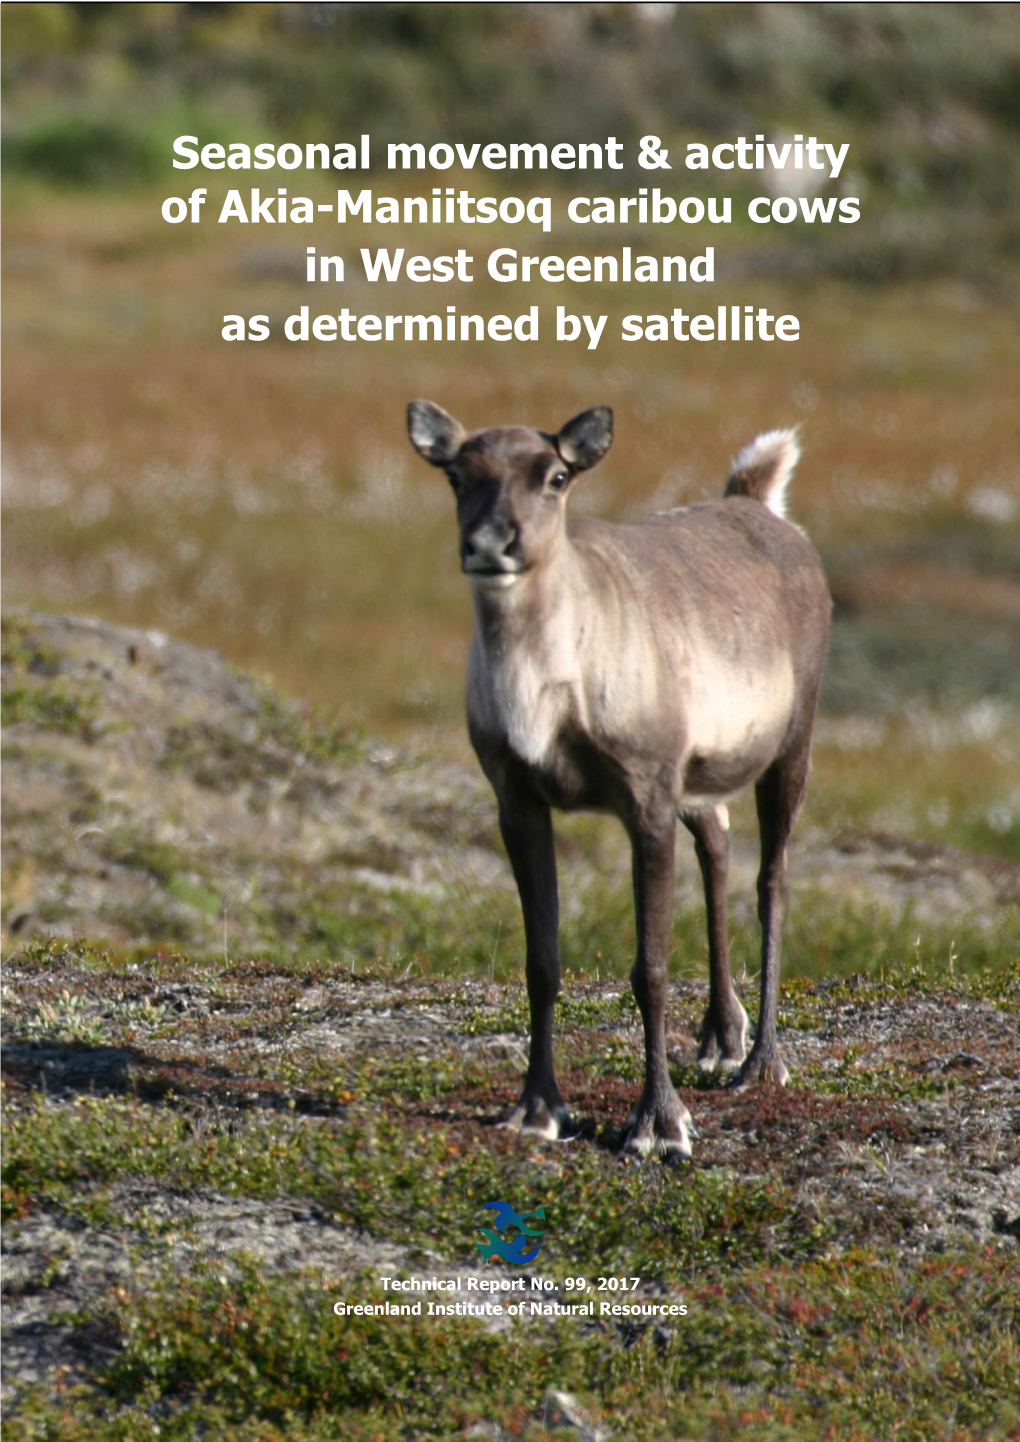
x: 584, y: 441
x: 434, y: 434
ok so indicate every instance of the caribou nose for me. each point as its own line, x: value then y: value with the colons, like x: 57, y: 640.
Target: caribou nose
x: 490, y: 547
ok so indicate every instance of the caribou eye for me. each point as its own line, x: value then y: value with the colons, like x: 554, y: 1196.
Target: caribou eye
x: 558, y: 480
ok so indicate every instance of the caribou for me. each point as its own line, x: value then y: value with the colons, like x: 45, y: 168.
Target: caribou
x: 652, y: 671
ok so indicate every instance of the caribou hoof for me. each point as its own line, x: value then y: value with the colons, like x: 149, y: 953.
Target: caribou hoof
x: 723, y: 1044
x: 659, y: 1130
x: 759, y: 1070
x: 533, y: 1118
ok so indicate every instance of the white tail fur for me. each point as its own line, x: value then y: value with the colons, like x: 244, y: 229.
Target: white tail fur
x: 763, y: 469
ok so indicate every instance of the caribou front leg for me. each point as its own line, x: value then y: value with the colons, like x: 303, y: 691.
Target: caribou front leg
x: 526, y: 825
x: 659, y: 1123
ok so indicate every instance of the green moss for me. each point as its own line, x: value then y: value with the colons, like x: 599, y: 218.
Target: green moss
x: 410, y: 1079
x: 853, y: 1077
x: 305, y: 732
x: 22, y: 651
x: 615, y: 1057
x: 126, y: 846
x: 157, y: 919
x: 283, y: 739
x: 858, y: 1347
x: 66, y: 1017
x: 219, y: 759
x: 33, y: 693
x: 804, y: 1002
x: 54, y: 706
x: 194, y: 895
x: 411, y: 1184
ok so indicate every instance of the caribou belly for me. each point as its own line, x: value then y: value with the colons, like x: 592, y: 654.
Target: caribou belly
x: 734, y: 724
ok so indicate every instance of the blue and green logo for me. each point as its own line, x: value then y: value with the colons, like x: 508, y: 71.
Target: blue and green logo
x: 511, y: 1249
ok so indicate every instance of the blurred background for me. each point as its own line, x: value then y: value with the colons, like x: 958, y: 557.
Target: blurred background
x: 263, y: 500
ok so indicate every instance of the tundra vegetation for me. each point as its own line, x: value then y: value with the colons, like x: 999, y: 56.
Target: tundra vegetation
x: 262, y: 963
x: 271, y: 1074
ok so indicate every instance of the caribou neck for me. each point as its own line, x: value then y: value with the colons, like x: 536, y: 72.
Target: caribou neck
x: 536, y: 614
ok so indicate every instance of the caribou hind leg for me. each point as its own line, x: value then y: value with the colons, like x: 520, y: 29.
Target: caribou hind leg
x: 778, y: 794
x: 722, y: 1042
